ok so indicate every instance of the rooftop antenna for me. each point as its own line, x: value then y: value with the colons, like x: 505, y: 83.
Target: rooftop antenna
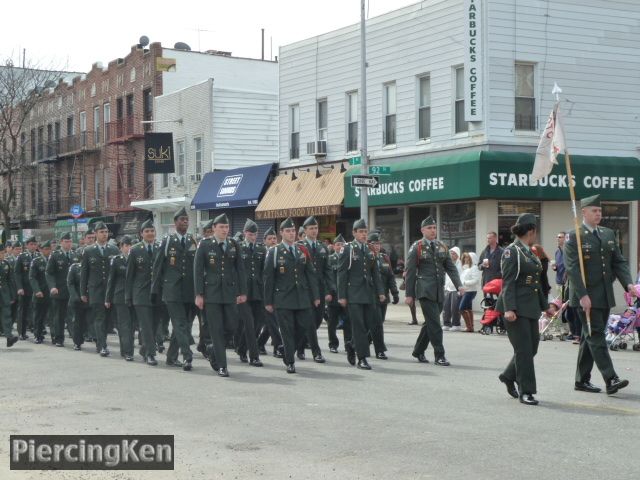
x: 199, y: 30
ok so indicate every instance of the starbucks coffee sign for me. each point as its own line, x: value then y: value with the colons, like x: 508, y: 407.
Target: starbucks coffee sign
x: 473, y: 60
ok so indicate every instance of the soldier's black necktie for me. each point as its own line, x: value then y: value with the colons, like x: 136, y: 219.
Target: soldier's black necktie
x: 291, y: 250
x: 68, y: 256
x: 101, y: 251
x: 182, y: 242
x: 362, y: 248
x: 149, y: 251
x: 313, y: 248
x: 251, y: 247
x: 432, y: 247
x: 596, y: 234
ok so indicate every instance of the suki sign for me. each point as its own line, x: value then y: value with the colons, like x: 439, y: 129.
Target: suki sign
x: 473, y: 60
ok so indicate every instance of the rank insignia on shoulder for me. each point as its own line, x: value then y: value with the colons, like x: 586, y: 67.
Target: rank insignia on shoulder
x: 507, y: 253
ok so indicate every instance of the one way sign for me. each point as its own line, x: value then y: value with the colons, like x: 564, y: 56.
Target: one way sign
x: 364, y: 181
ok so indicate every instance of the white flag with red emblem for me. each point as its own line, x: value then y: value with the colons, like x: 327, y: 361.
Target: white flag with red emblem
x: 552, y: 143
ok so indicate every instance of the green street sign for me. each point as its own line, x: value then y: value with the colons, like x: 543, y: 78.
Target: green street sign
x: 379, y: 170
x: 355, y: 161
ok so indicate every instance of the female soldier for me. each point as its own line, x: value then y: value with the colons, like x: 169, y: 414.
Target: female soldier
x: 522, y: 301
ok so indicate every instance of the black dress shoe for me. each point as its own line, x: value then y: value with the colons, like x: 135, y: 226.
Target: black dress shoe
x: 510, y: 384
x: 319, y: 359
x: 128, y: 358
x: 412, y: 323
x: 381, y: 356
x: 262, y: 350
x: 24, y: 337
x: 528, y: 399
x: 363, y: 364
x: 104, y: 352
x: 421, y: 358
x: 614, y: 384
x: 151, y: 360
x: 39, y: 341
x: 186, y: 366
x: 442, y: 362
x: 160, y: 348
x: 59, y: 344
x: 300, y: 355
x: 291, y: 368
x: 586, y: 387
x: 333, y: 349
x: 174, y: 363
x: 11, y: 341
x: 277, y: 354
x: 351, y: 354
x: 243, y: 358
x: 222, y: 372
x: 255, y: 362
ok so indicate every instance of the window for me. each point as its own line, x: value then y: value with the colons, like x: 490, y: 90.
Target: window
x: 83, y: 129
x: 56, y: 137
x: 458, y: 225
x: 23, y: 141
x: 424, y: 108
x: 49, y: 140
x: 40, y: 142
x: 616, y: 217
x: 508, y: 213
x: 352, y: 121
x: 460, y: 124
x: 83, y: 191
x: 96, y: 125
x: 180, y: 150
x: 107, y: 120
x: 322, y: 119
x: 166, y: 218
x: 107, y: 186
x: 294, y: 132
x: 525, y: 97
x: 34, y: 143
x: 97, y: 177
x: 197, y: 153
x: 389, y: 114
x: 147, y: 108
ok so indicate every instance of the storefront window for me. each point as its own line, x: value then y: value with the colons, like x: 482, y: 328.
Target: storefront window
x: 616, y: 217
x: 458, y: 225
x: 508, y: 213
x: 389, y: 221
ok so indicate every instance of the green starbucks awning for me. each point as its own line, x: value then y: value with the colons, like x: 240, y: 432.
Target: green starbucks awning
x: 498, y: 175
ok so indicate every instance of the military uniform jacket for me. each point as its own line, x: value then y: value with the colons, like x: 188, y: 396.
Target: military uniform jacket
x: 254, y: 269
x: 521, y: 287
x: 332, y: 262
x: 37, y: 277
x: 21, y: 271
x: 289, y: 280
x: 116, y: 280
x: 219, y: 275
x: 389, y: 285
x: 57, y: 271
x: 173, y: 269
x: 73, y: 284
x: 359, y: 279
x: 320, y: 259
x: 95, y: 272
x: 603, y: 263
x: 427, y: 269
x: 7, y: 283
x: 139, y: 274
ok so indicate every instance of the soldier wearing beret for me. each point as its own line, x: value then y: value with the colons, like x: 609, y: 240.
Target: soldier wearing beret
x: 220, y: 285
x: 603, y: 264
x: 94, y: 273
x: 301, y: 234
x: 270, y: 328
x: 7, y: 297
x: 360, y: 291
x: 115, y: 298
x: 40, y: 289
x: 290, y: 289
x: 16, y: 250
x: 173, y: 278
x: 335, y: 311
x: 427, y: 265
x: 522, y: 300
x: 23, y: 286
x: 56, y: 274
x: 79, y: 309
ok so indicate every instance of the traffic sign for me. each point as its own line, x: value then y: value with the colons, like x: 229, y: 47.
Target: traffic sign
x: 364, y: 181
x: 77, y: 220
x: 76, y: 211
x: 379, y: 170
x: 355, y: 161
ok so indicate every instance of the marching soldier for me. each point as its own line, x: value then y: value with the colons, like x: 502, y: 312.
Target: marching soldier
x: 291, y: 290
x: 40, y: 289
x: 271, y: 325
x: 94, y: 273
x: 389, y: 285
x: 7, y: 297
x: 427, y: 264
x: 204, y: 340
x: 56, y: 274
x: 603, y: 263
x: 173, y: 278
x: 360, y: 291
x: 23, y: 286
x: 138, y: 280
x: 15, y: 251
x: 335, y: 311
x: 251, y: 312
x: 78, y: 308
x: 220, y: 284
x: 114, y: 297
x: 301, y: 235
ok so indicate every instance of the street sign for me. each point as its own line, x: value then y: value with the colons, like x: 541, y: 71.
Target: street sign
x: 77, y: 220
x: 379, y: 170
x: 364, y: 181
x: 355, y: 161
x: 76, y: 211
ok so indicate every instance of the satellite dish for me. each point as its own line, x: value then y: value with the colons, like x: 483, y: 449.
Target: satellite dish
x: 182, y: 46
x: 144, y: 41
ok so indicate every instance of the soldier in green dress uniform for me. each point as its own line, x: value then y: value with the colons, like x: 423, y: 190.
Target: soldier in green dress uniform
x: 7, y: 297
x: 15, y: 251
x: 79, y: 309
x: 603, y: 264
x: 115, y: 298
x: 23, y: 286
x: 522, y: 301
x: 335, y: 311
x: 427, y: 265
x: 41, y: 296
x: 270, y: 329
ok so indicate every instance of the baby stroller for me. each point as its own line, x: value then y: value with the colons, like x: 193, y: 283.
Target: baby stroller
x: 491, y: 317
x: 550, y: 327
x: 621, y: 330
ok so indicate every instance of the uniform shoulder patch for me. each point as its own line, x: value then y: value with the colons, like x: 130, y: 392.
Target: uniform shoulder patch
x: 507, y: 253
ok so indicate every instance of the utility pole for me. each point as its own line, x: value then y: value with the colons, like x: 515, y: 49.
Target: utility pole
x: 364, y: 192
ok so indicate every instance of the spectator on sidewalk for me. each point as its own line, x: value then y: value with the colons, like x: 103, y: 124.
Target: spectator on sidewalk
x: 470, y: 278
x: 558, y: 264
x: 451, y: 312
x: 489, y: 261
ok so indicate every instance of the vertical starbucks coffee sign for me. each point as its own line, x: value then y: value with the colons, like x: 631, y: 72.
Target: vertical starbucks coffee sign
x: 473, y: 60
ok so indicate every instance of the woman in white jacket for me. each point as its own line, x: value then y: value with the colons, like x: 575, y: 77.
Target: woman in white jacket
x: 471, y: 278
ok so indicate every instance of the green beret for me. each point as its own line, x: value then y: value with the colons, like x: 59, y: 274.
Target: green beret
x: 148, y: 223
x: 428, y: 222
x: 208, y: 225
x: 300, y: 230
x: 310, y: 222
x: 126, y: 240
x: 287, y: 223
x: 222, y: 218
x: 339, y: 239
x: 46, y: 244
x: 180, y: 213
x: 593, y: 201
x: 250, y: 226
x: 373, y: 237
x: 527, y: 219
x: 99, y: 226
x: 89, y: 231
x: 358, y: 224
x: 269, y: 231
x: 31, y: 239
x: 66, y: 236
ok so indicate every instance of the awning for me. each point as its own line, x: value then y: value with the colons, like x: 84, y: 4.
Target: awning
x: 498, y: 175
x: 240, y: 187
x: 67, y: 225
x: 173, y: 203
x: 304, y: 196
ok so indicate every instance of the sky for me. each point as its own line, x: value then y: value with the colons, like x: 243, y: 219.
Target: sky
x: 72, y: 35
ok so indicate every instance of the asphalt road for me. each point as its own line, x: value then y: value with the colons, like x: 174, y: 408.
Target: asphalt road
x: 402, y: 420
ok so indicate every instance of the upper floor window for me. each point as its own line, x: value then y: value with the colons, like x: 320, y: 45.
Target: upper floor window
x: 460, y: 124
x: 180, y: 155
x: 294, y: 132
x: 390, y: 114
x: 525, y: 103
x: 352, y: 121
x: 424, y: 107
x: 322, y: 119
x: 197, y: 153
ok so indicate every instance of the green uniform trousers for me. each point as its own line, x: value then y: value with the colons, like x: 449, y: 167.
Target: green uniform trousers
x: 99, y: 313
x: 59, y: 319
x: 148, y: 321
x: 222, y: 319
x: 291, y: 321
x: 7, y: 320
x: 125, y: 328
x: 40, y: 310
x: 25, y: 314
x: 334, y: 314
x: 79, y: 321
x: 245, y: 338
x: 272, y: 330
x: 365, y: 319
x: 181, y: 315
x: 524, y: 337
x: 431, y: 331
x: 594, y: 348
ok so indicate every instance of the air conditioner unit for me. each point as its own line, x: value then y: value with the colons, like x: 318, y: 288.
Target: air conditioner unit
x: 178, y: 181
x: 319, y: 148
x: 196, y: 177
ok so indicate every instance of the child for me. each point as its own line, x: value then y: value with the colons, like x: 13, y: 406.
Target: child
x: 550, y: 314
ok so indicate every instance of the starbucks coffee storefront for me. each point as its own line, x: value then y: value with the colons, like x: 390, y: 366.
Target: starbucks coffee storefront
x: 473, y: 193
